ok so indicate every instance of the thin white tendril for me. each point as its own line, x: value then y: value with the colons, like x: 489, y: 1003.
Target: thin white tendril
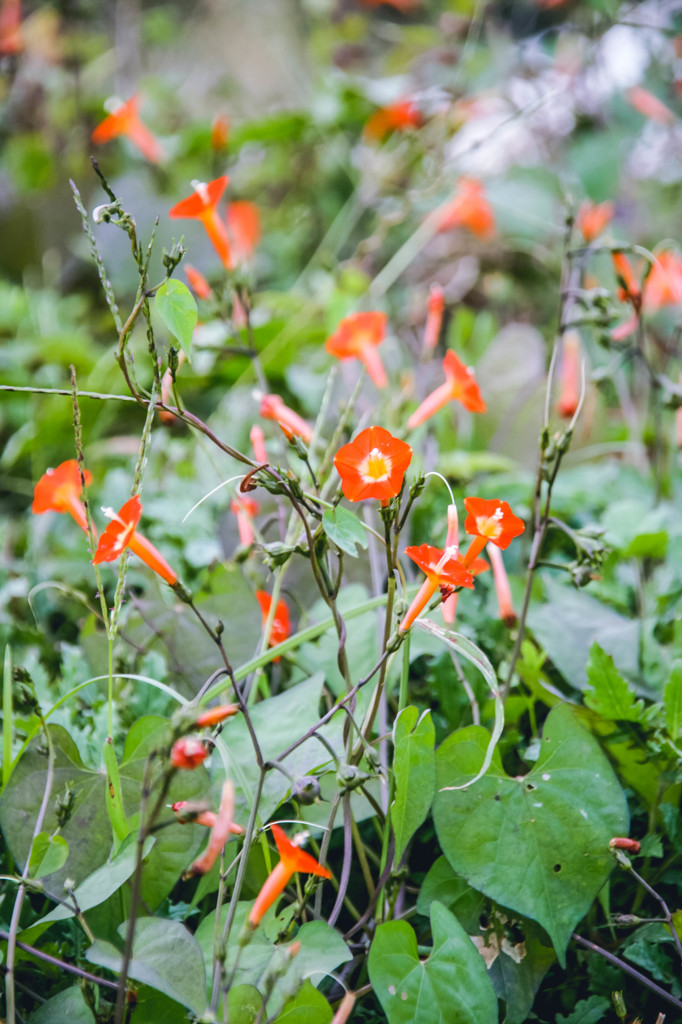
x: 210, y: 493
x: 433, y: 472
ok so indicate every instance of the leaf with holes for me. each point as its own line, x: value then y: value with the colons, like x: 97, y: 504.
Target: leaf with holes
x: 538, y: 844
x: 451, y: 985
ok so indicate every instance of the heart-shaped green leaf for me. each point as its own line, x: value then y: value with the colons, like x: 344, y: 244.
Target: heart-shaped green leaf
x: 538, y: 844
x: 449, y: 987
x: 344, y: 529
x: 177, y: 308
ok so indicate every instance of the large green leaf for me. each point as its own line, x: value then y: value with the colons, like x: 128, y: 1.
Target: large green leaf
x: 568, y: 623
x: 69, y: 1006
x: 539, y: 843
x: 449, y: 987
x: 177, y: 307
x: 165, y: 956
x: 308, y: 1006
x: 415, y: 774
x: 345, y: 529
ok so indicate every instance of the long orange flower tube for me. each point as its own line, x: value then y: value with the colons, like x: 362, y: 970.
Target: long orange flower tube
x: 489, y: 521
x: 121, y: 533
x: 125, y: 120
x: 188, y: 812
x: 257, y: 439
x: 569, y: 396
x: 593, y: 219
x: 502, y: 589
x: 198, y: 282
x: 203, y: 205
x: 245, y: 509
x: 443, y: 569
x: 281, y: 623
x: 272, y: 407
x: 293, y: 859
x: 373, y: 465
x: 434, y: 319
x: 220, y: 833
x: 460, y: 385
x: 469, y: 208
x: 59, y: 490
x: 244, y: 229
x: 649, y: 105
x: 357, y: 337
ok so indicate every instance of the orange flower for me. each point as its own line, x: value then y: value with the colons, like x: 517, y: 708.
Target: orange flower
x: 203, y: 205
x: 59, y: 490
x: 245, y: 509
x: 449, y: 605
x: 460, y: 384
x: 396, y: 117
x: 593, y: 218
x: 357, y: 337
x: 125, y: 120
x: 11, y: 41
x: 198, y: 282
x: 491, y: 521
x: 443, y: 569
x: 649, y: 105
x: 569, y: 397
x: 243, y: 228
x: 630, y: 288
x: 293, y: 859
x: 257, y: 438
x: 291, y: 424
x: 468, y: 209
x: 373, y: 465
x: 121, y: 533
x: 188, y: 753
x: 187, y: 811
x: 663, y: 286
x: 502, y: 588
x: 281, y: 623
x: 216, y: 715
x: 220, y: 132
x: 220, y: 833
x: 434, y: 319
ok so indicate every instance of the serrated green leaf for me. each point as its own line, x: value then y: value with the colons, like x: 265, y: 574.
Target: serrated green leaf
x: 344, y: 529
x: 450, y: 985
x: 571, y: 792
x: 672, y: 699
x: 414, y: 767
x: 177, y: 307
x: 165, y: 956
x: 48, y: 854
x: 610, y: 695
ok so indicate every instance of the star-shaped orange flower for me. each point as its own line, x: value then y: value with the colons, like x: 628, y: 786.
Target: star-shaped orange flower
x: 203, y: 205
x: 460, y: 385
x: 121, y: 533
x: 357, y: 337
x: 293, y: 859
x: 59, y: 490
x: 373, y: 465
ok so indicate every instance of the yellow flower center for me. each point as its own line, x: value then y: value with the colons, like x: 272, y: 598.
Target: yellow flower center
x: 490, y: 526
x: 376, y: 467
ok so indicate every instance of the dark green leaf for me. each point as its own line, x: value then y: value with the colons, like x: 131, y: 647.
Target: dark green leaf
x: 344, y: 529
x: 415, y: 774
x: 610, y: 695
x: 553, y: 824
x: 176, y: 306
x: 587, y: 1011
x: 450, y: 986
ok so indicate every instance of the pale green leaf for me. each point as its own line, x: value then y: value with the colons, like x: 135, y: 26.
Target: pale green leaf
x: 414, y: 768
x: 344, y: 529
x: 177, y: 307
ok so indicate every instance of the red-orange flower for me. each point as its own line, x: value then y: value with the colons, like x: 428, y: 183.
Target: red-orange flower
x: 357, y: 337
x: 220, y: 833
x: 59, y: 490
x: 293, y: 859
x: 281, y: 623
x: 434, y: 319
x: 216, y: 715
x: 245, y: 509
x: 396, y: 117
x: 290, y: 423
x: 373, y: 465
x: 505, y: 606
x: 198, y: 282
x: 243, y: 228
x: 11, y: 41
x: 489, y: 521
x: 444, y: 570
x: 220, y: 132
x: 593, y: 218
x: 203, y: 205
x: 121, y: 533
x: 125, y: 120
x: 469, y: 208
x: 569, y: 396
x: 188, y: 753
x: 663, y: 286
x: 649, y: 105
x: 460, y: 384
x: 188, y: 811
